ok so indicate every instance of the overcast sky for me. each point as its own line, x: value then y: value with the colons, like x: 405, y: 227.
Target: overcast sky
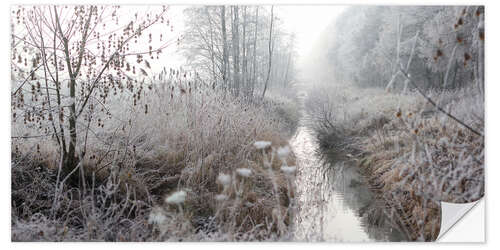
x: 307, y: 21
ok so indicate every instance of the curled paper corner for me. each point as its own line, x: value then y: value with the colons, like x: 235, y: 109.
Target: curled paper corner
x: 451, y: 213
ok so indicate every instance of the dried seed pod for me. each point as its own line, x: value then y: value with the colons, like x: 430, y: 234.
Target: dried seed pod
x: 439, y: 53
x: 467, y: 56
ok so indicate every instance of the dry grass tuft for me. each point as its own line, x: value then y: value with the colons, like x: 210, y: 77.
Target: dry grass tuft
x: 415, y: 156
x: 138, y: 159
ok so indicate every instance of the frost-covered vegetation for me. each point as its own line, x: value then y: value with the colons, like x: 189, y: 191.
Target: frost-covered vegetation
x: 244, y: 49
x: 136, y: 165
x: 105, y: 149
x: 403, y: 96
x: 110, y: 144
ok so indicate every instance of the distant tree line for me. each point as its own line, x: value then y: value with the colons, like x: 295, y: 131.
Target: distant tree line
x: 368, y: 45
x: 242, y: 50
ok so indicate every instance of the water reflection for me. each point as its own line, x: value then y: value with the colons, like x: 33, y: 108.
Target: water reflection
x: 334, y: 203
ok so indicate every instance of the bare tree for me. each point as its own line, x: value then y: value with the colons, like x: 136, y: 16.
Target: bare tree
x: 74, y: 45
x: 244, y: 65
x: 270, y: 52
x: 236, y: 49
x: 225, y: 55
x: 212, y: 47
x: 234, y: 57
x: 254, y: 61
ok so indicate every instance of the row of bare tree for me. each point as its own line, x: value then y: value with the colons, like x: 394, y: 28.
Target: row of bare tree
x: 240, y: 49
x: 67, y: 61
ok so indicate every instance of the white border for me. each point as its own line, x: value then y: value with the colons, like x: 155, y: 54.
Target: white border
x: 492, y: 127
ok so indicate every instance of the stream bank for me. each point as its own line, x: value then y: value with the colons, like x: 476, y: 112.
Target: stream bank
x: 413, y: 157
x: 334, y: 200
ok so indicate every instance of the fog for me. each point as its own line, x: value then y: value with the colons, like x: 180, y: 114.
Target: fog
x: 244, y: 122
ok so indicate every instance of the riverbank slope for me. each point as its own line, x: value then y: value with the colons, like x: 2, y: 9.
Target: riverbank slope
x: 413, y: 155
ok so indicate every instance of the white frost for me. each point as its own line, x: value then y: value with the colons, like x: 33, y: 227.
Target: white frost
x: 288, y: 169
x: 224, y: 179
x: 262, y: 144
x: 283, y: 152
x: 245, y: 172
x: 221, y: 197
x: 177, y: 197
x: 156, y: 216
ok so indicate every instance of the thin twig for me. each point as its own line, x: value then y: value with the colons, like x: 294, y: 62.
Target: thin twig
x: 438, y: 107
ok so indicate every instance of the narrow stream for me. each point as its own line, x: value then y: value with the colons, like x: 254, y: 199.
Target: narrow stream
x: 333, y: 201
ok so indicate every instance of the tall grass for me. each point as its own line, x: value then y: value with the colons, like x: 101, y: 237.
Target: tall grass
x: 414, y: 155
x: 151, y: 168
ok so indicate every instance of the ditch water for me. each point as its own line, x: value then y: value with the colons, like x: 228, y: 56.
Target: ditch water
x: 333, y: 201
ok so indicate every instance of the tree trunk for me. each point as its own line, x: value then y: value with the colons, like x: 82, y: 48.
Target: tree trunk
x: 270, y: 52
x: 254, y: 66
x: 236, y: 50
x: 244, y: 55
x: 225, y: 60
x: 212, y: 50
x: 70, y: 158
